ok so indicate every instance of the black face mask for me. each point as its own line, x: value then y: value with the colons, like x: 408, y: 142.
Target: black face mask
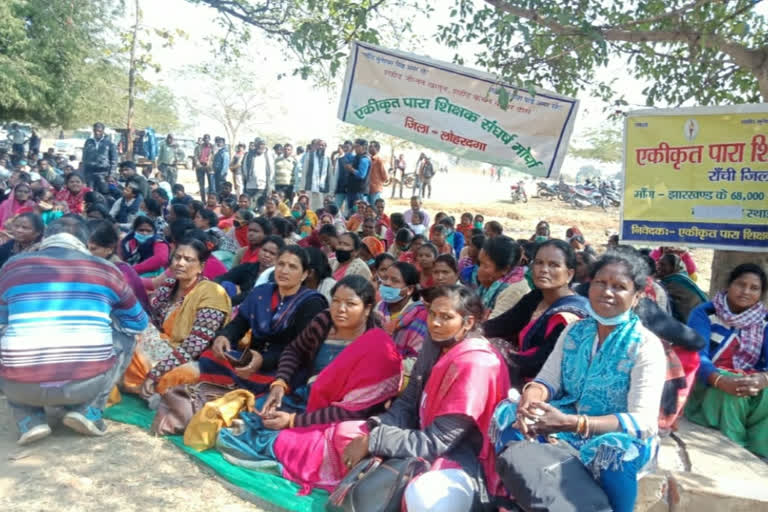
x: 343, y: 256
x: 236, y: 224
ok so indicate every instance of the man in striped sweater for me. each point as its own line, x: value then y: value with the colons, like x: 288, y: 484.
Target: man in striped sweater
x: 59, y: 308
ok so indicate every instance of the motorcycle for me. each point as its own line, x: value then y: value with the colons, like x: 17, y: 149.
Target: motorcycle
x: 518, y: 193
x: 585, y: 199
x: 546, y: 191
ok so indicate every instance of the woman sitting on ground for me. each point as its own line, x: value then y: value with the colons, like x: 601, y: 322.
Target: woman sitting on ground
x: 733, y: 377
x: 469, y: 259
x: 444, y: 414
x: 425, y: 258
x: 73, y: 193
x: 275, y: 313
x: 103, y: 243
x: 370, y: 249
x: 584, y: 262
x: 400, y: 249
x: 258, y: 229
x: 227, y: 218
x: 348, y: 262
x: 527, y: 333
x: 381, y: 264
x: 27, y: 231
x: 500, y: 278
x: 320, y: 276
x: 241, y: 279
x: 684, y: 295
x: 144, y: 249
x: 336, y: 350
x: 19, y: 202
x: 579, y: 397
x: 445, y: 271
x: 303, y: 223
x: 239, y: 232
x: 685, y: 256
x: 154, y: 211
x: 187, y: 310
x: 401, y: 313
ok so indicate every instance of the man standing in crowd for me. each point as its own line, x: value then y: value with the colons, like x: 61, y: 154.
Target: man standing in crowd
x: 315, y: 174
x: 99, y: 158
x: 378, y: 172
x: 359, y: 174
x: 203, y: 162
x: 58, y: 348
x: 220, y: 164
x: 34, y: 143
x: 258, y: 172
x: 166, y: 160
x: 342, y: 176
x: 17, y: 138
x: 399, y: 175
x: 416, y: 207
x: 427, y: 173
x: 286, y: 172
x: 236, y: 167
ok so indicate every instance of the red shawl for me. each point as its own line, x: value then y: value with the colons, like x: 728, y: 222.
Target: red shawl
x: 470, y: 379
x: 74, y: 202
x: 311, y: 456
x: 241, y: 235
x: 250, y: 255
x: 12, y: 207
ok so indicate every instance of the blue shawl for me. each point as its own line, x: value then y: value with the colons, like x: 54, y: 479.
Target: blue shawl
x: 264, y: 320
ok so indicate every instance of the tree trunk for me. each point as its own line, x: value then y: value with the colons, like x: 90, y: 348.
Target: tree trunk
x: 132, y: 85
x: 725, y: 261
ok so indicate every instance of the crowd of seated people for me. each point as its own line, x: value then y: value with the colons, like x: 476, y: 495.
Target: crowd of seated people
x: 372, y: 335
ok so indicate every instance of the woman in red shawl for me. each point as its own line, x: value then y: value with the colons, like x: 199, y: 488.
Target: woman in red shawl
x: 20, y: 201
x: 444, y: 414
x: 73, y: 193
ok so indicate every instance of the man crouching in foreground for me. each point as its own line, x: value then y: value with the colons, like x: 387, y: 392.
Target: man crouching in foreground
x: 57, y: 308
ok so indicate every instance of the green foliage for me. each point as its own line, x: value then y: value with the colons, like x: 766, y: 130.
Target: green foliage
x: 690, y: 52
x: 45, y: 50
x: 316, y: 33
x: 58, y: 66
x: 603, y: 145
x: 587, y: 171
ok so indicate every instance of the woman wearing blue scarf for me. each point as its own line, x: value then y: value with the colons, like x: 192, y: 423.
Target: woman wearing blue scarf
x: 601, y: 386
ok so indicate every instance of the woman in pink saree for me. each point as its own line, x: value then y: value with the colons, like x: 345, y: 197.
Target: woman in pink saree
x: 444, y: 414
x: 356, y: 370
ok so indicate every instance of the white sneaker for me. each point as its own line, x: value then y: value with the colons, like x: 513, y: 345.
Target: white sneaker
x: 35, y: 433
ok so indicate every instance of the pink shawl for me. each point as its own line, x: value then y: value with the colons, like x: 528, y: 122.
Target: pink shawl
x: 11, y: 207
x: 311, y: 456
x: 470, y: 379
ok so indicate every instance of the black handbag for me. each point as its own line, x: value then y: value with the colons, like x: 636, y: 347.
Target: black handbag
x: 545, y: 477
x: 375, y: 485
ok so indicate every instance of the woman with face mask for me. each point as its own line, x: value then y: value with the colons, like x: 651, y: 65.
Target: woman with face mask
x: 445, y: 411
x: 348, y: 261
x: 304, y: 225
x: 401, y: 312
x: 611, y: 417
x: 144, y: 249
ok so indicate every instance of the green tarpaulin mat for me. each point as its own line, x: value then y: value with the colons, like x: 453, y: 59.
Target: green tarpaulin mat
x: 267, y: 487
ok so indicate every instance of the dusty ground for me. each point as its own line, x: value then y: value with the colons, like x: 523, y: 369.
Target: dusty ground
x: 129, y: 470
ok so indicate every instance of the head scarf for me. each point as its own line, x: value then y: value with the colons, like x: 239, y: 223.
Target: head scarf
x: 12, y: 206
x: 374, y: 245
x: 751, y: 323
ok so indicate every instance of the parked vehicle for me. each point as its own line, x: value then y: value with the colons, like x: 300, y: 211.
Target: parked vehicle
x: 546, y: 191
x: 518, y: 192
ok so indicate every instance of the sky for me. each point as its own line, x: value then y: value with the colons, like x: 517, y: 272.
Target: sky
x: 305, y: 110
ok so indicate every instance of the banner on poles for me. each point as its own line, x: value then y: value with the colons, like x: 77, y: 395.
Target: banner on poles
x: 456, y: 110
x: 697, y: 176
